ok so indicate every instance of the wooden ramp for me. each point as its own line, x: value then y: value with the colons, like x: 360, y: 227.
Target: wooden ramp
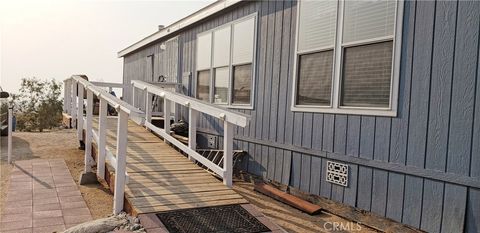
x: 161, y: 178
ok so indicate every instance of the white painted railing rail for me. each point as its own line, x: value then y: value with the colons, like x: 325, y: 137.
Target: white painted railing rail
x: 73, y: 105
x: 195, y: 106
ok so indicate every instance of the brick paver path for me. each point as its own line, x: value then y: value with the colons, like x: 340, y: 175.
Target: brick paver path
x: 42, y: 197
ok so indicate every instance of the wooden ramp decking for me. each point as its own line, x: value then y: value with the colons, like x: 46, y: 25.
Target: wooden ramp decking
x: 163, y: 179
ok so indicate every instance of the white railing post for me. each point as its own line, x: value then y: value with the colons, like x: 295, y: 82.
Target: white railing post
x: 227, y: 153
x: 133, y: 96
x: 166, y: 115
x: 80, y: 112
x: 66, y: 95
x: 120, y: 167
x: 74, y: 103
x: 192, y: 130
x: 102, y: 126
x: 71, y: 105
x: 88, y: 132
x: 10, y: 126
x: 148, y: 107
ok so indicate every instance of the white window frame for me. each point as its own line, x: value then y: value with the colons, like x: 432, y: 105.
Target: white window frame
x: 339, y: 46
x: 231, y: 64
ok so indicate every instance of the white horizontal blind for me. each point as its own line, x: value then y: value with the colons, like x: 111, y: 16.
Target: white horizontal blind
x: 221, y: 47
x: 367, y: 75
x: 243, y: 41
x: 315, y: 78
x: 317, y: 24
x: 368, y: 19
x: 204, y: 51
x: 221, y: 85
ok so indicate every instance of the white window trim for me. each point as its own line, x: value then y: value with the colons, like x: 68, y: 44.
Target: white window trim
x: 229, y: 103
x: 334, y: 106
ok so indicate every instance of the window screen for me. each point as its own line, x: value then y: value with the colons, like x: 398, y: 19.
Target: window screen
x: 242, y: 84
x: 243, y: 41
x: 221, y: 47
x: 203, y: 85
x: 368, y: 19
x: 221, y: 85
x: 315, y: 78
x: 204, y: 51
x: 367, y: 75
x: 317, y: 24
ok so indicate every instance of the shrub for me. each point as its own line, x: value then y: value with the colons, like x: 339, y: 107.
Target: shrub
x: 38, y: 105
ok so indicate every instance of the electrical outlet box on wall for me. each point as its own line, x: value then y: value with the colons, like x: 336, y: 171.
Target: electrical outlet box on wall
x: 212, y: 141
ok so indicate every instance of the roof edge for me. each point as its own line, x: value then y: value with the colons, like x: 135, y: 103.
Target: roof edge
x: 180, y: 24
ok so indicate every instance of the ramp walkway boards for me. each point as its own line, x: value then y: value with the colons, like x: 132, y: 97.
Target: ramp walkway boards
x: 163, y: 179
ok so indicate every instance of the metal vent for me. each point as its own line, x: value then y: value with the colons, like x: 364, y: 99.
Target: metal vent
x: 337, y: 173
x: 212, y: 141
x: 219, y: 219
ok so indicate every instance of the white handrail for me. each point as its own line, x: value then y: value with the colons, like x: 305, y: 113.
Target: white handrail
x: 112, y: 100
x: 233, y: 117
x: 106, y: 84
x: 195, y: 106
x: 74, y: 86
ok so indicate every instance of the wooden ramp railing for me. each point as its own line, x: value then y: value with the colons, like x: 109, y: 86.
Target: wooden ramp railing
x: 75, y: 87
x: 229, y: 118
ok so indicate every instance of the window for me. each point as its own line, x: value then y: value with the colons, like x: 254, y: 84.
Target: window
x: 203, y: 85
x: 315, y: 78
x: 203, y: 66
x: 242, y: 84
x: 221, y: 85
x: 227, y: 55
x: 367, y: 75
x: 347, y: 56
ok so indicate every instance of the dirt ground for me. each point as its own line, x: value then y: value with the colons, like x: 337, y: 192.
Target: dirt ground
x: 55, y: 144
x: 293, y: 220
x: 63, y: 144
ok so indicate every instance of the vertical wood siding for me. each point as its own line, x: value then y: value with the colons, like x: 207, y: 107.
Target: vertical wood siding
x: 437, y: 127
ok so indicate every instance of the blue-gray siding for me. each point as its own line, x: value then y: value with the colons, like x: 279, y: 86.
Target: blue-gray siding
x: 421, y: 168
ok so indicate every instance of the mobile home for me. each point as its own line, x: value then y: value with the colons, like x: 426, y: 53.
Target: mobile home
x: 374, y: 104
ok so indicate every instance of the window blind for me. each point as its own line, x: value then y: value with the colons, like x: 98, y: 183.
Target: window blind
x: 204, y: 51
x: 221, y: 85
x: 243, y: 41
x: 221, y: 47
x: 367, y: 75
x: 242, y: 84
x: 368, y: 19
x: 317, y: 24
x: 315, y: 78
x: 203, y: 85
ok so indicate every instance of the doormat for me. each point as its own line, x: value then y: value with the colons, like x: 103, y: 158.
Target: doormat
x: 231, y: 218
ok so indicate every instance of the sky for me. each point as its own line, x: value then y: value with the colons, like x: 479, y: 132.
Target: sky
x: 55, y: 39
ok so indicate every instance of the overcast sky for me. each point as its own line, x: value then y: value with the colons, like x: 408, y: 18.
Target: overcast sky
x: 55, y: 39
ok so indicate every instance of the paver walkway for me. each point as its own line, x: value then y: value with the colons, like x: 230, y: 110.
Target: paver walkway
x: 42, y: 197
